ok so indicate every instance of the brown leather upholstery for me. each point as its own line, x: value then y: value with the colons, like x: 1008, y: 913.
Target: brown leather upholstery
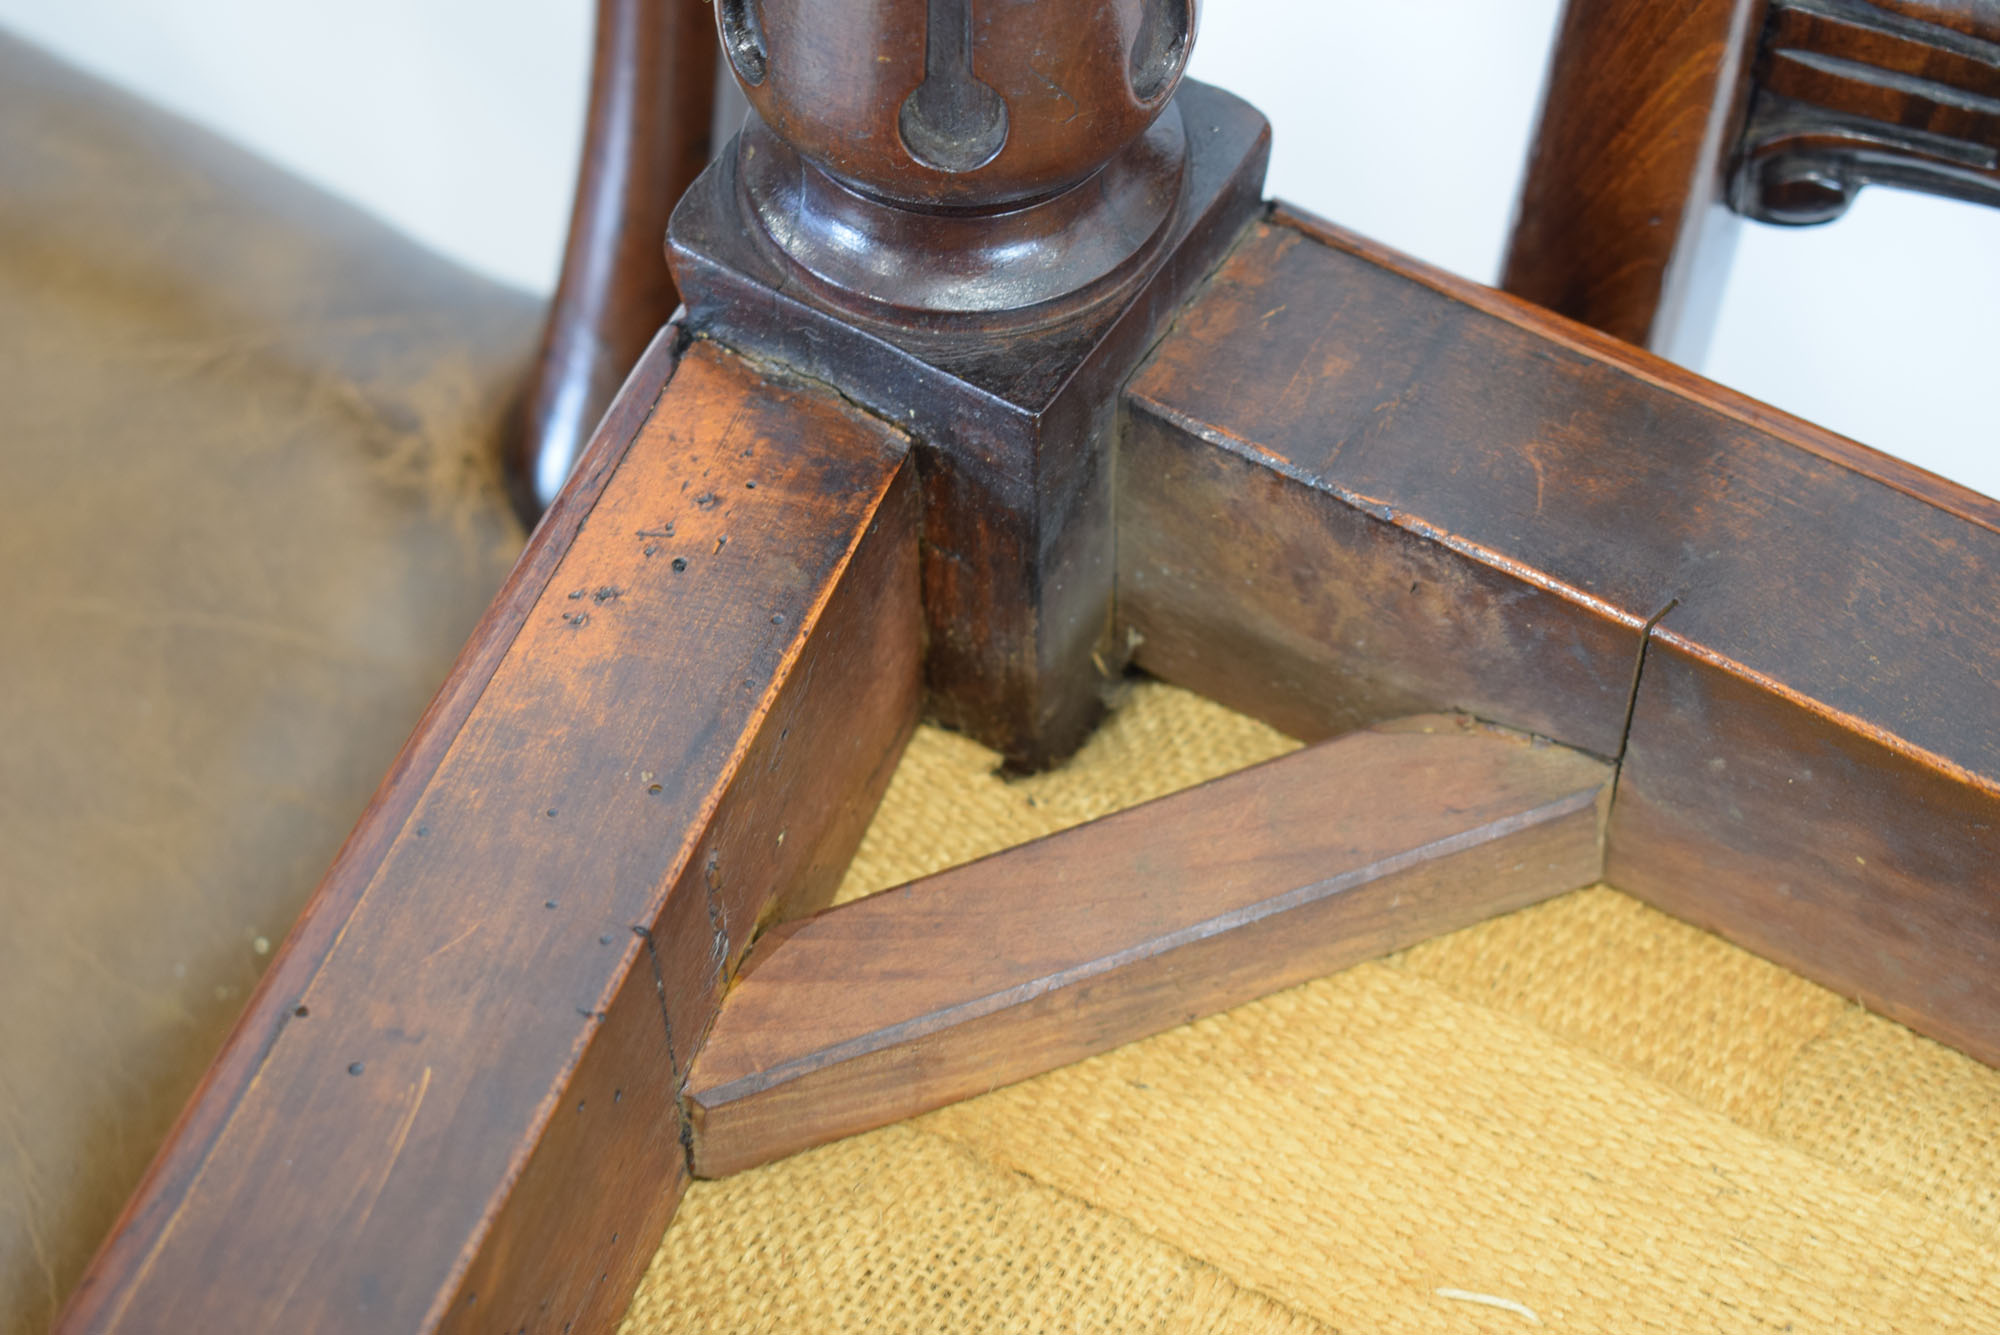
x: 247, y: 463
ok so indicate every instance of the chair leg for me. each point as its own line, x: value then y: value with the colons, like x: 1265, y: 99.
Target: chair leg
x: 1619, y: 223
x: 649, y: 131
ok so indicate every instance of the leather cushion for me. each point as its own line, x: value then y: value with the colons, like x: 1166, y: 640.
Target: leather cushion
x: 247, y: 444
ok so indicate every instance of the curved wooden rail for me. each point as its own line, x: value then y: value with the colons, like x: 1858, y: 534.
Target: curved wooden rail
x: 652, y: 98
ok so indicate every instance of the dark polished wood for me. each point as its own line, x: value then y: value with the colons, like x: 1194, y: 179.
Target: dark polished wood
x: 1338, y: 488
x: 1662, y: 121
x: 1045, y: 954
x: 1853, y: 93
x: 1349, y: 491
x: 1815, y: 836
x: 646, y: 138
x: 948, y: 103
x: 974, y: 219
x: 675, y: 723
x: 1014, y: 425
x: 933, y: 165
x: 1349, y: 487
x: 1620, y: 222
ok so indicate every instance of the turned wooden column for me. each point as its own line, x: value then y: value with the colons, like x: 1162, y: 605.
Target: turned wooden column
x: 975, y: 216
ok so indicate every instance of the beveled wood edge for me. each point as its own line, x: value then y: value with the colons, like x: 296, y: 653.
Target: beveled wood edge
x: 1657, y: 625
x: 1906, y: 478
x: 1395, y: 516
x: 1897, y: 474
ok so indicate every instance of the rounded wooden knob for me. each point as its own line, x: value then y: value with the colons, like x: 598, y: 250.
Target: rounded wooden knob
x: 976, y: 104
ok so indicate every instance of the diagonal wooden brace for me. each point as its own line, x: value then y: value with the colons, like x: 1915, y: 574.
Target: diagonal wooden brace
x: 989, y: 973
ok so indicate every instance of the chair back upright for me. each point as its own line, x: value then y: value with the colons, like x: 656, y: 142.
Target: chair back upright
x: 1664, y: 122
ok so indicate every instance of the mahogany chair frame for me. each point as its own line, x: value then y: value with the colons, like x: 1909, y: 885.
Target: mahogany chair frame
x: 1654, y: 633
x: 1663, y: 125
x: 648, y: 132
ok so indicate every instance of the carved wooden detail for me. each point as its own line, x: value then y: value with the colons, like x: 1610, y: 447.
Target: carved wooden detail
x: 1853, y: 93
x: 1620, y: 222
x: 986, y: 323
x: 975, y: 220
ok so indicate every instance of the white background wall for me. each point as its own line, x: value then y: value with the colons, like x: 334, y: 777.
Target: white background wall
x: 460, y: 120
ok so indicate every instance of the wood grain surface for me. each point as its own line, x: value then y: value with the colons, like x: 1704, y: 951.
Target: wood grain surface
x: 646, y: 137
x: 1007, y: 967
x: 1345, y: 488
x: 1620, y: 223
x: 1350, y: 488
x: 1322, y: 481
x: 1014, y: 423
x: 680, y: 713
x: 1817, y: 838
